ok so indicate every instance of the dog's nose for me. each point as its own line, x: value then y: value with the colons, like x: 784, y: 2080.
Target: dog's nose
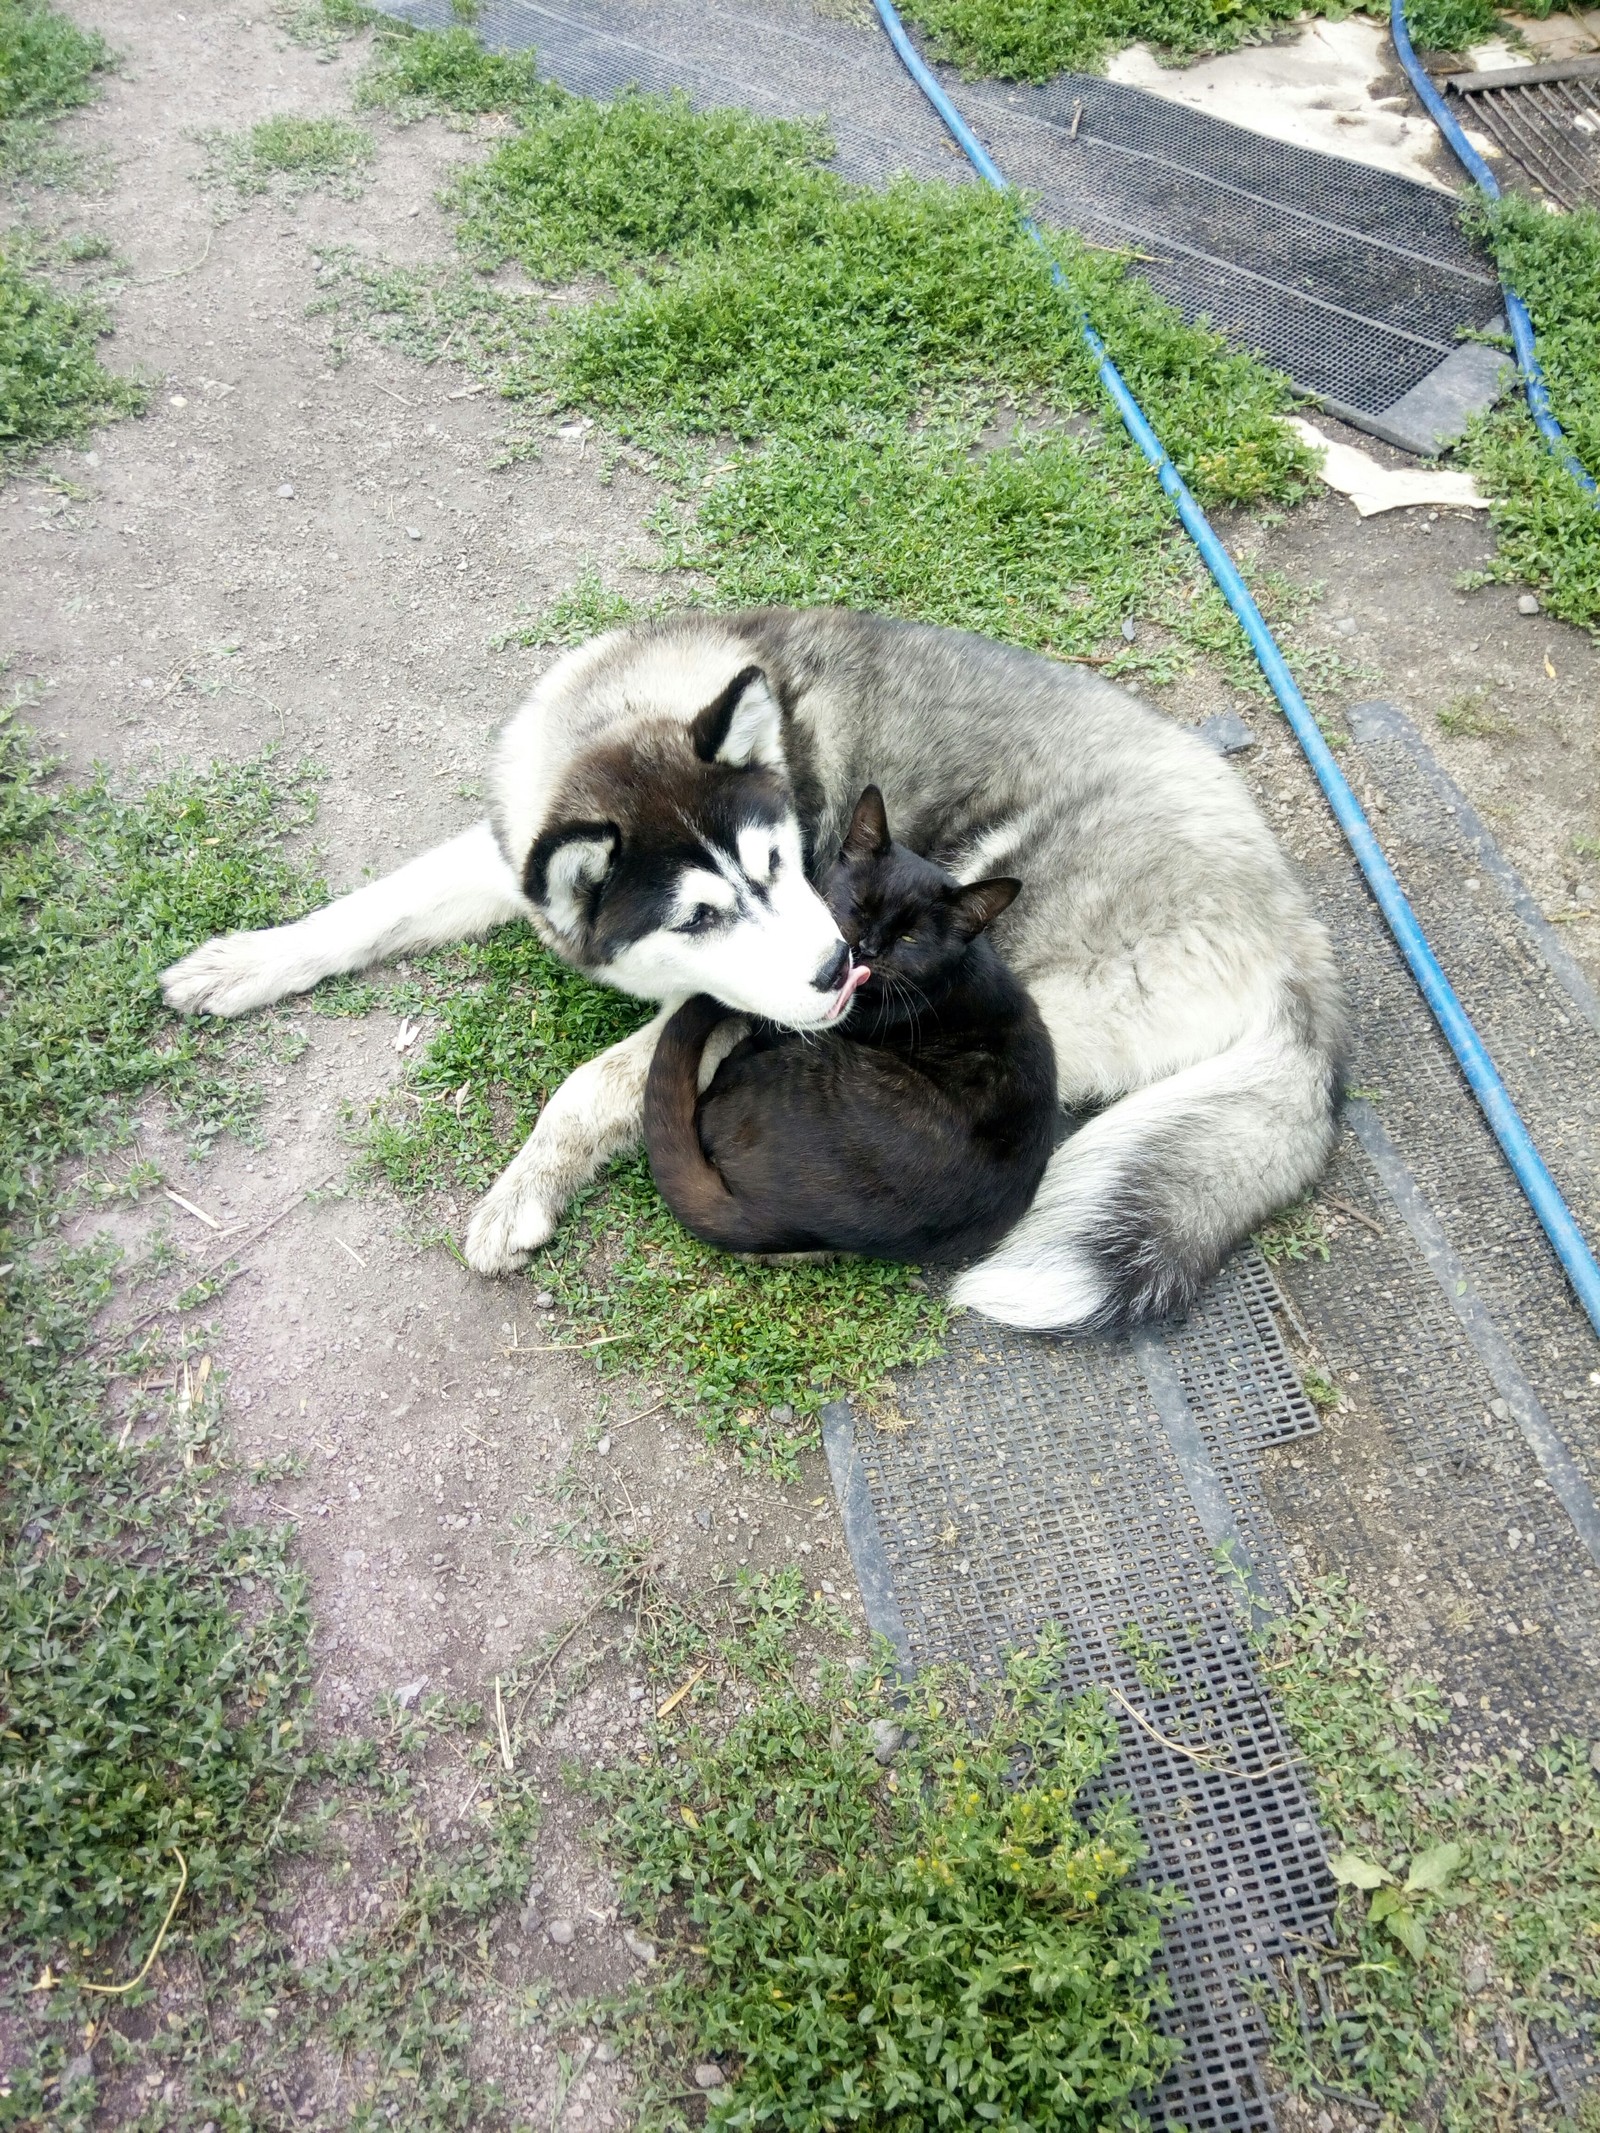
x: 834, y: 971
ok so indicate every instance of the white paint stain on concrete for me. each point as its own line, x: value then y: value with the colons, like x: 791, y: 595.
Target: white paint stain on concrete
x: 1324, y: 89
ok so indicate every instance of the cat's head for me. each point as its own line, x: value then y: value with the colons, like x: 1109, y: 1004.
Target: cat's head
x: 907, y: 920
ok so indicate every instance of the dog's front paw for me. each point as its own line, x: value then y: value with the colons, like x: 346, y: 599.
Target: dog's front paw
x: 228, y: 976
x: 509, y: 1225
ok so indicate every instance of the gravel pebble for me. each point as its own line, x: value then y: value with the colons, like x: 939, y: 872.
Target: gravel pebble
x: 643, y: 1950
x: 708, y: 2076
x: 886, y: 1739
x: 1527, y: 604
x: 562, y: 1932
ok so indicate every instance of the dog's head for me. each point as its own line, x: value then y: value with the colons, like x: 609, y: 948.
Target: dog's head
x: 671, y: 862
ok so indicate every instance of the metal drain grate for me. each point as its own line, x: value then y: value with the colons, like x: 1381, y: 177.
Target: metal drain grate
x: 1547, y: 120
x: 1356, y: 282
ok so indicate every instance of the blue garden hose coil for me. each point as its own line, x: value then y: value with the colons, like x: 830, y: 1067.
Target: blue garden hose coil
x: 1516, y: 310
x: 1483, y: 1078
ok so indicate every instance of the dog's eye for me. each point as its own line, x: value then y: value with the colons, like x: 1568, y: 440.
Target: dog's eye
x: 774, y: 859
x: 700, y: 920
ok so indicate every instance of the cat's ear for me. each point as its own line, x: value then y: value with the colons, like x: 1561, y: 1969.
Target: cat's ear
x: 980, y: 904
x: 868, y: 834
x: 741, y: 725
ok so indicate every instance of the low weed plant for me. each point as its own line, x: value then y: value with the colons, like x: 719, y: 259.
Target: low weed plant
x: 958, y: 1939
x: 53, y: 385
x: 1029, y: 40
x: 447, y: 74
x: 1547, y: 526
x: 288, y: 155
x: 1469, y: 1890
x: 155, y: 1646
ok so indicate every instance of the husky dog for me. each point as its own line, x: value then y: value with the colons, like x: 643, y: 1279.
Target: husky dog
x: 659, y: 803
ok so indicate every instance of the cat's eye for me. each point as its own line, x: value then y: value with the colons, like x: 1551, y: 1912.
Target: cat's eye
x: 908, y: 936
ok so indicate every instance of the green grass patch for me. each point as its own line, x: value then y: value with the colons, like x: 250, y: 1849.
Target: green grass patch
x: 53, y: 385
x: 48, y: 67
x: 143, y: 1711
x: 288, y: 155
x: 957, y: 1941
x: 324, y: 25
x: 154, y: 1647
x: 47, y: 64
x: 1547, y: 526
x: 447, y: 73
x: 1470, y: 1890
x: 732, y: 1341
x: 1029, y: 40
x: 98, y: 894
x: 584, y: 610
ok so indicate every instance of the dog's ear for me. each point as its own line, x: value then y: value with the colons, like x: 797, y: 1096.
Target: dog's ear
x: 741, y: 725
x: 868, y: 834
x: 980, y: 904
x: 566, y: 871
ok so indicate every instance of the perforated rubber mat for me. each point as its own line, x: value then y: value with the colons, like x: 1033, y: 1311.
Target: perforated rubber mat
x: 1354, y: 281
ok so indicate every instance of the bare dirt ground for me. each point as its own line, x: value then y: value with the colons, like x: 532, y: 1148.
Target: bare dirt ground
x: 238, y: 567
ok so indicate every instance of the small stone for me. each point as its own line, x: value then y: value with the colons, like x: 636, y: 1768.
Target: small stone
x: 702, y: 1518
x: 603, y: 1447
x: 1227, y: 732
x: 782, y: 1414
x: 286, y: 488
x: 1527, y: 604
x: 562, y: 1932
x: 1324, y: 2122
x: 407, y: 1695
x: 886, y: 1739
x: 708, y: 2076
x: 76, y: 2072
x: 1594, y: 1756
x: 605, y: 2053
x: 176, y: 400
x: 1127, y: 629
x: 642, y: 1950
x: 413, y: 533
x: 1346, y: 625
x: 1475, y: 1976
x: 530, y: 1920
x: 545, y: 1300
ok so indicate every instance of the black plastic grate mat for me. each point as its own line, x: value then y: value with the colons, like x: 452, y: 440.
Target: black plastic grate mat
x: 1048, y: 1482
x: 1547, y: 119
x: 1356, y: 282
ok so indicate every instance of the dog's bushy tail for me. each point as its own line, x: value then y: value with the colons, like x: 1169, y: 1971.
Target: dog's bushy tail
x: 691, y: 1185
x: 1139, y: 1208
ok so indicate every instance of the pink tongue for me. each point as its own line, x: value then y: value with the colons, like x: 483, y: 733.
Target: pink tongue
x: 858, y: 976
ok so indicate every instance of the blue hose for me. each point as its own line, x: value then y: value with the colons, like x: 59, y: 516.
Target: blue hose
x: 1517, y: 1144
x: 1516, y: 310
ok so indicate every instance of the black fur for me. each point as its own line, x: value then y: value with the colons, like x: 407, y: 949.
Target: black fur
x: 918, y: 1129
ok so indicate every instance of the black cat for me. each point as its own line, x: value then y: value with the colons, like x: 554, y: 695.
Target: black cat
x: 918, y: 1129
